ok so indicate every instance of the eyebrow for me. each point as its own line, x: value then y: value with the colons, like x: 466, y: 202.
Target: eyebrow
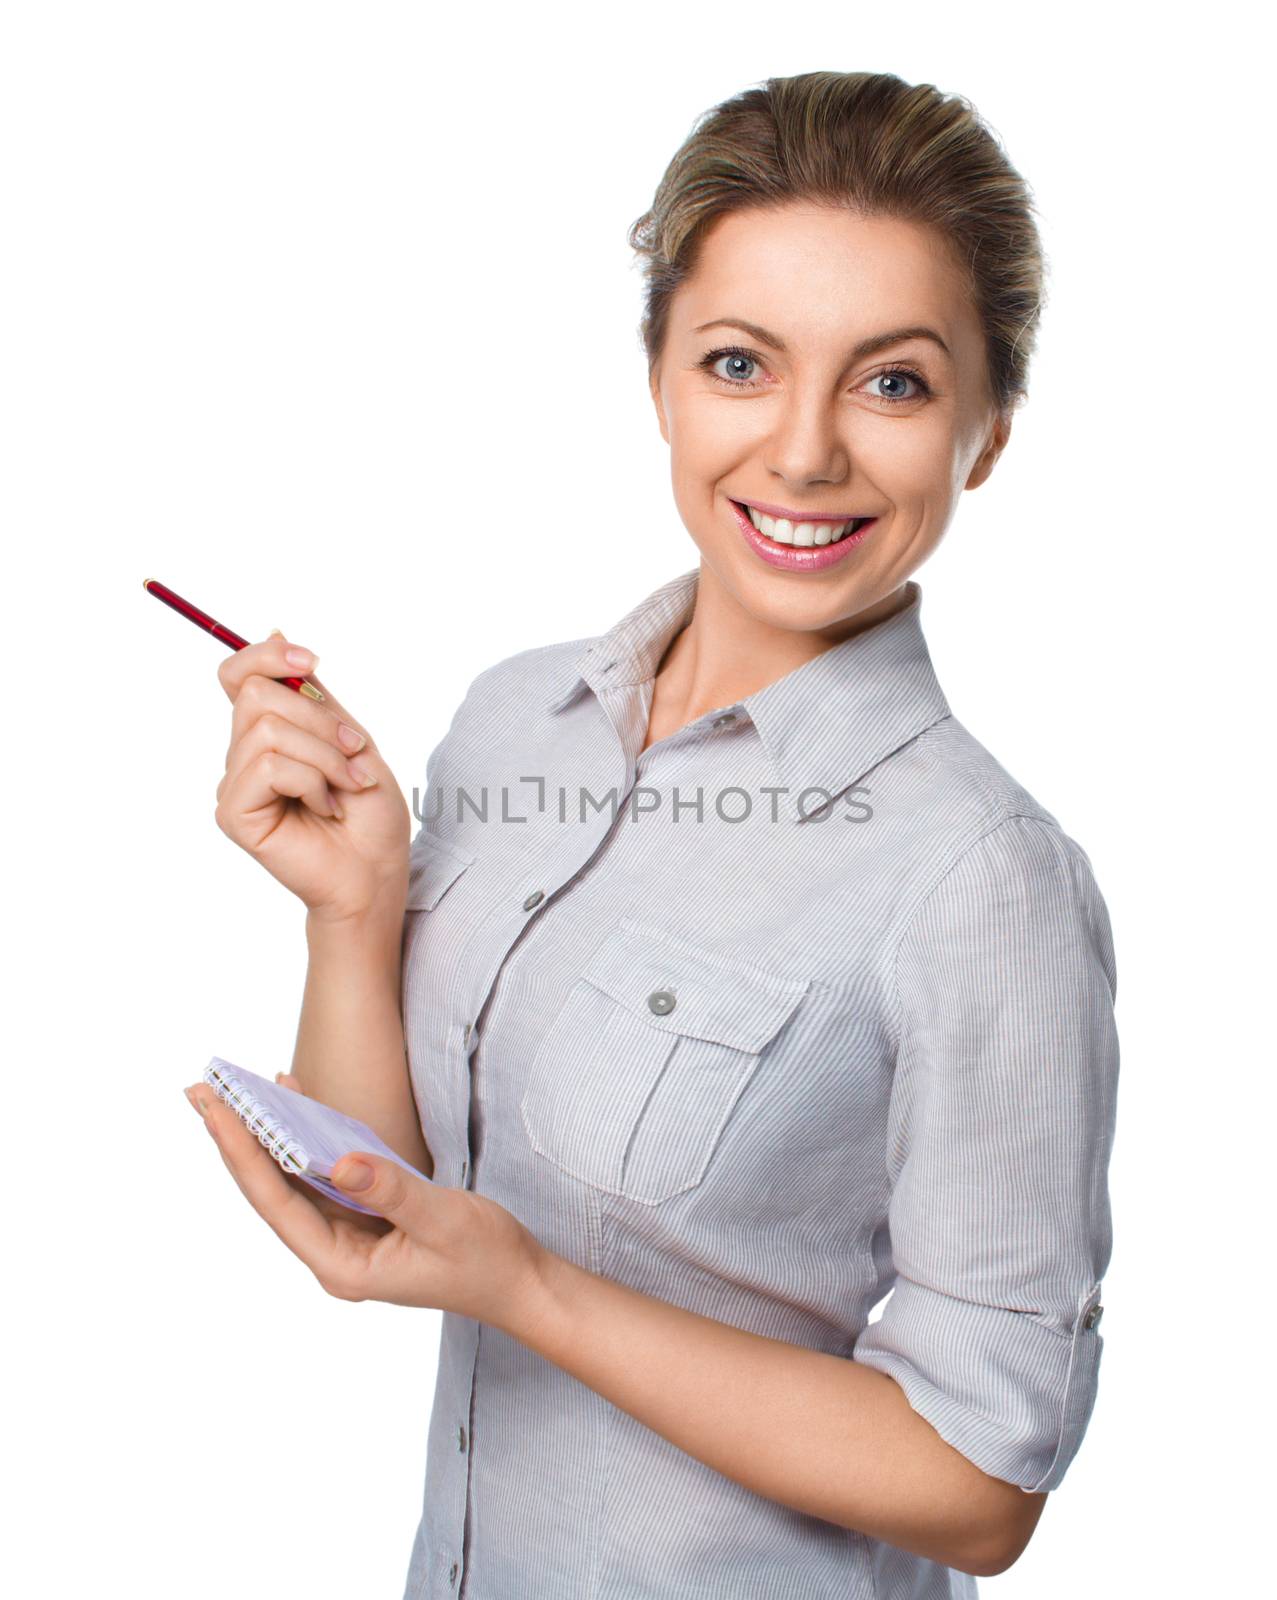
x: 866, y: 347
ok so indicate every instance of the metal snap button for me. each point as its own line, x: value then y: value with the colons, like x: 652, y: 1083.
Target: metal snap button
x: 661, y: 1002
x: 1091, y: 1319
x: 723, y: 721
x: 534, y: 899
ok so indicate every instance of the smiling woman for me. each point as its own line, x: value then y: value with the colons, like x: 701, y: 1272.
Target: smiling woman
x: 700, y: 1080
x: 873, y: 243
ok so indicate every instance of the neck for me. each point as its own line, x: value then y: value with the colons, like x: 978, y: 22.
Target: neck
x: 725, y: 653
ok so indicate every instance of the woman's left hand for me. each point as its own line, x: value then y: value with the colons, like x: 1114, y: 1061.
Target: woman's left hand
x: 448, y: 1249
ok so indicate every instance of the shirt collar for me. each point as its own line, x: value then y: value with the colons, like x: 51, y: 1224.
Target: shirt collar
x: 824, y: 724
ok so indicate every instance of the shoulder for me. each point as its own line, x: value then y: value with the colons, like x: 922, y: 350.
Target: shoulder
x: 975, y: 797
x: 524, y: 679
x: 506, y: 694
x: 994, y: 844
x: 967, y: 781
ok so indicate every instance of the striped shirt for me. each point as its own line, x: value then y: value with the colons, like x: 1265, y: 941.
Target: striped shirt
x: 808, y: 1004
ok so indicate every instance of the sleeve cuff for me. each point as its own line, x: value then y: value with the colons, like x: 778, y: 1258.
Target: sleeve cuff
x: 1012, y: 1392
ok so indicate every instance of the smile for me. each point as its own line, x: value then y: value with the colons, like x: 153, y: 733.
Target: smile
x: 799, y: 543
x: 807, y: 531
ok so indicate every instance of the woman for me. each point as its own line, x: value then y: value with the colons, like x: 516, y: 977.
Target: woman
x: 781, y: 993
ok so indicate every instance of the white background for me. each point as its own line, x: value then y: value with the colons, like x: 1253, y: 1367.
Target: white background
x: 325, y: 315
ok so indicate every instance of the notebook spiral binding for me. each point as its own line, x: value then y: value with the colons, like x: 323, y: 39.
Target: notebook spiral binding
x: 270, y: 1132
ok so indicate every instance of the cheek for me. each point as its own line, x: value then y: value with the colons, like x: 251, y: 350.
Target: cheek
x: 907, y: 457
x: 705, y: 431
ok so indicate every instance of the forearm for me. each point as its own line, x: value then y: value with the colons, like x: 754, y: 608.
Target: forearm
x: 815, y: 1432
x: 350, y: 1038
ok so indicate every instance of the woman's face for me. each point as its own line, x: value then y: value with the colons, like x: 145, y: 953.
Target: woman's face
x: 765, y: 399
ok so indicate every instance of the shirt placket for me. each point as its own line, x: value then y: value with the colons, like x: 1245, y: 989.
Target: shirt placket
x: 491, y: 947
x: 487, y: 953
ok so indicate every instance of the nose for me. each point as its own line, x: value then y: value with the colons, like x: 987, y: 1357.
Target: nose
x: 805, y: 446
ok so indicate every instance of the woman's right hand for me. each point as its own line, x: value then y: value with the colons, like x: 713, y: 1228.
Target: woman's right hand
x: 296, y: 792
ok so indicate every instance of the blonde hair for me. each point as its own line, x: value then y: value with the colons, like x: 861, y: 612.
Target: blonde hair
x: 876, y: 145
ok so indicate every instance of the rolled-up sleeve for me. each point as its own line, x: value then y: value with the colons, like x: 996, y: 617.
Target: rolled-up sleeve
x: 999, y: 1135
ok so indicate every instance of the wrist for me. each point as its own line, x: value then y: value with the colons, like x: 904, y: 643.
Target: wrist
x: 539, y: 1307
x: 377, y: 927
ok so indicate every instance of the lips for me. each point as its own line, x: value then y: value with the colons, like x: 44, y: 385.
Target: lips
x: 802, y: 558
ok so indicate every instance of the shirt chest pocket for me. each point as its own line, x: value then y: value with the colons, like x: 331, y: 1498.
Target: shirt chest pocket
x: 434, y: 866
x: 638, y: 1073
x: 429, y: 951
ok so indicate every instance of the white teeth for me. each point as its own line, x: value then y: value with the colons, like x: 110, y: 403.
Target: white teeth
x: 800, y: 533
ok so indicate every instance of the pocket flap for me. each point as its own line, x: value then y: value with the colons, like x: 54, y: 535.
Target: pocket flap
x: 434, y: 866
x: 715, y: 997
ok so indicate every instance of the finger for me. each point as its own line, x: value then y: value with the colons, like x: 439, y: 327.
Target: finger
x: 260, y: 696
x: 272, y: 776
x: 273, y: 731
x: 327, y: 693
x: 270, y: 658
x: 332, y: 1209
x: 387, y: 1188
x: 288, y: 1081
x: 285, y: 1209
x: 330, y: 699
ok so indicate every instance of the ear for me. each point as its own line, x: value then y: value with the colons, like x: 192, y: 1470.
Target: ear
x: 654, y: 385
x: 999, y: 435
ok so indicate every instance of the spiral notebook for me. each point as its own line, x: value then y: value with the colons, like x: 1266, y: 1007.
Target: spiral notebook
x: 305, y: 1136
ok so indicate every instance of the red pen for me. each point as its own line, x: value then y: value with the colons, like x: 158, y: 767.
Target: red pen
x: 201, y: 619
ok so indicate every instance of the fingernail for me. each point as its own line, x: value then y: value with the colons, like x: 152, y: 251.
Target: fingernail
x: 296, y: 657
x: 275, y: 633
x: 337, y: 811
x: 355, y: 1175
x: 362, y: 777
x: 350, y: 737
x: 193, y: 1101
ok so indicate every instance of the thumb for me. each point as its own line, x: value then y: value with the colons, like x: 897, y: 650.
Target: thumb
x: 378, y: 1183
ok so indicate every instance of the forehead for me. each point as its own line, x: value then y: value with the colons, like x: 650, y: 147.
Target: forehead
x: 812, y: 272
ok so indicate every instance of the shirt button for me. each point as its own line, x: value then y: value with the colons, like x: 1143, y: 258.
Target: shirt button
x: 1091, y: 1319
x: 461, y: 1439
x: 727, y: 718
x: 467, y: 1031
x: 534, y: 899
x: 661, y: 1002
x: 452, y: 1573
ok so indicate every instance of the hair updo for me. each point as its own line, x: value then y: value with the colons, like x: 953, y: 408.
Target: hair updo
x: 878, y: 146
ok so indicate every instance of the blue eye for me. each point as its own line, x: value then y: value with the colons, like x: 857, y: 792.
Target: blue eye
x: 896, y: 375
x: 739, y: 361
x: 735, y: 359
